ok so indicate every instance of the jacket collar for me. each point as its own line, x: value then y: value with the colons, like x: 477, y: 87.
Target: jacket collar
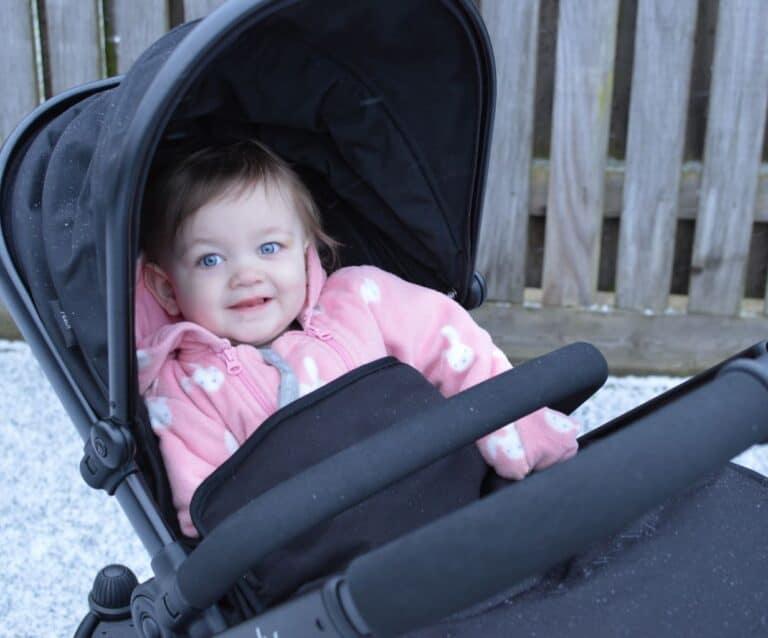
x: 316, y: 277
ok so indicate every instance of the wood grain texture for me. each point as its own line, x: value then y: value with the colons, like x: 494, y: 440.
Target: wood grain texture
x: 583, y: 86
x: 133, y: 26
x: 17, y: 64
x: 660, y: 80
x: 632, y: 342
x: 194, y: 9
x: 73, y: 36
x: 688, y: 198
x: 513, y: 28
x: 731, y: 157
x: 8, y: 328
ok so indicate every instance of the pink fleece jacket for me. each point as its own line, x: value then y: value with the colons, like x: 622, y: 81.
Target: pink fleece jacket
x: 206, y: 396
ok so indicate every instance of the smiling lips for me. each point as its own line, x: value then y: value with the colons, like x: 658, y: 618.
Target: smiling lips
x: 247, y: 304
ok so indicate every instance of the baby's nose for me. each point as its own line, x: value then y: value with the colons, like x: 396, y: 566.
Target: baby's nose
x: 247, y: 275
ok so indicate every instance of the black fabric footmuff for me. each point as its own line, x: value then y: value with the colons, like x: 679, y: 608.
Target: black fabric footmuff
x: 338, y: 415
x: 693, y: 567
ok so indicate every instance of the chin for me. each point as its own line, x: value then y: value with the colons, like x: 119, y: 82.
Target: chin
x: 257, y: 340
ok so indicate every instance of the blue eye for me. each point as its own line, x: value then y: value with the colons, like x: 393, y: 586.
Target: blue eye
x: 270, y: 248
x: 210, y: 260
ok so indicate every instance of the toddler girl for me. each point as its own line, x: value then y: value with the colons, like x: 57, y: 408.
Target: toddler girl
x: 236, y: 317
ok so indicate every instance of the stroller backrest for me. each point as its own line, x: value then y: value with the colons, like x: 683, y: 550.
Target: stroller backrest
x: 384, y: 108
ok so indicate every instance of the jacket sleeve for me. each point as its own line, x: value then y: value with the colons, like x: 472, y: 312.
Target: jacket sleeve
x: 435, y: 335
x: 192, y: 443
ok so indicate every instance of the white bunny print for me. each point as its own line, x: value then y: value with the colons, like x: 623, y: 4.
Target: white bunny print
x: 310, y: 366
x: 160, y: 417
x: 506, y: 440
x: 370, y: 291
x: 230, y: 442
x: 459, y: 356
x: 143, y: 359
x: 559, y: 422
x: 209, y: 379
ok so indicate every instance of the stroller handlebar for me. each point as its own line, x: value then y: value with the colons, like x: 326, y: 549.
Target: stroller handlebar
x: 562, y: 379
x: 490, y: 546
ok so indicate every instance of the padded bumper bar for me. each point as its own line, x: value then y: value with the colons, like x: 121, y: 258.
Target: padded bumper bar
x: 562, y: 380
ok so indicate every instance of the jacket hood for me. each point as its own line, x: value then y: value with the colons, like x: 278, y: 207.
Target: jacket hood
x: 316, y: 277
x: 158, y: 334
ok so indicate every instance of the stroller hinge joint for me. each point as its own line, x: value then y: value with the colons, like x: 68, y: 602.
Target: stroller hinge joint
x: 108, y: 456
x: 160, y: 610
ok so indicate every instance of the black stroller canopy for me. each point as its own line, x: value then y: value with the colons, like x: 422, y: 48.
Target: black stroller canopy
x: 383, y: 107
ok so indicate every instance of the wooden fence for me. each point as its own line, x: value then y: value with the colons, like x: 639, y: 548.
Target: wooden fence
x: 627, y: 200
x: 657, y: 211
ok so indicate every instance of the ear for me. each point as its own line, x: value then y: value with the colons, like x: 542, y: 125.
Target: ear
x: 159, y: 285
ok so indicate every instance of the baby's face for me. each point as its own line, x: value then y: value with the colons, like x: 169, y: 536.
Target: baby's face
x: 239, y: 266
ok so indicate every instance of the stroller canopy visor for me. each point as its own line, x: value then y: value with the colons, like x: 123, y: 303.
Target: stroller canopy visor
x: 384, y: 108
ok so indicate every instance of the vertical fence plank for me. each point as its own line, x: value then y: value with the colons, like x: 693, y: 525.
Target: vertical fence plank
x: 132, y: 26
x: 660, y: 81
x: 586, y: 42
x: 74, y: 49
x: 194, y: 9
x: 731, y: 158
x: 513, y: 28
x: 17, y: 64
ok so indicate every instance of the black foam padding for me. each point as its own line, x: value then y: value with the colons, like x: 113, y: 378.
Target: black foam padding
x: 520, y: 531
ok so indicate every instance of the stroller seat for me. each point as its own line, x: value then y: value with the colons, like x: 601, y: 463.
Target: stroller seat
x: 389, y: 524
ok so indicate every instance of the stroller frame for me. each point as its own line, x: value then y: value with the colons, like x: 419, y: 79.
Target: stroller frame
x: 181, y: 599
x: 114, y: 444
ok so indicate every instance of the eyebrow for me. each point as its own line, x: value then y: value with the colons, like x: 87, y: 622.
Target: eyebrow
x: 202, y: 240
x: 270, y: 230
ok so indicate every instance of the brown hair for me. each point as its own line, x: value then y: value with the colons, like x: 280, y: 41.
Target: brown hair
x: 181, y: 183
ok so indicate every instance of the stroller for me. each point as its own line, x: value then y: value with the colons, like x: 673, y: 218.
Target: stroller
x: 385, y: 109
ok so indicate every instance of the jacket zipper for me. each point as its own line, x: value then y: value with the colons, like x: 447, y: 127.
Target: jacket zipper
x: 235, y: 368
x: 328, y: 338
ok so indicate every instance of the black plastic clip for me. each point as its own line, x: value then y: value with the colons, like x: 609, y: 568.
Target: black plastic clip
x: 108, y: 456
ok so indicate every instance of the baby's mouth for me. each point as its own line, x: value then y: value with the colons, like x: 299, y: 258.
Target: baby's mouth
x: 253, y: 302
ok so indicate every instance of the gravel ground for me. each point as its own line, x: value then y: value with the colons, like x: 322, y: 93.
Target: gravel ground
x: 56, y: 533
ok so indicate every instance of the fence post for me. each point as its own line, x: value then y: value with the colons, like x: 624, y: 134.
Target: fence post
x: 513, y: 27
x: 660, y: 81
x: 194, y: 9
x: 732, y: 150
x: 133, y: 25
x: 586, y: 42
x: 72, y: 36
x: 17, y: 64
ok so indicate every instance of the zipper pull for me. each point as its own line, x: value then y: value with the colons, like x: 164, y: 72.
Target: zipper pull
x: 233, y: 363
x: 319, y: 334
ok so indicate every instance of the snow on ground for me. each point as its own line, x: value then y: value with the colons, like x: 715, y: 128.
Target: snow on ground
x: 56, y: 533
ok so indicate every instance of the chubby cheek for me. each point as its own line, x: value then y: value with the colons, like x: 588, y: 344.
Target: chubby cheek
x: 198, y: 303
x: 297, y: 293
